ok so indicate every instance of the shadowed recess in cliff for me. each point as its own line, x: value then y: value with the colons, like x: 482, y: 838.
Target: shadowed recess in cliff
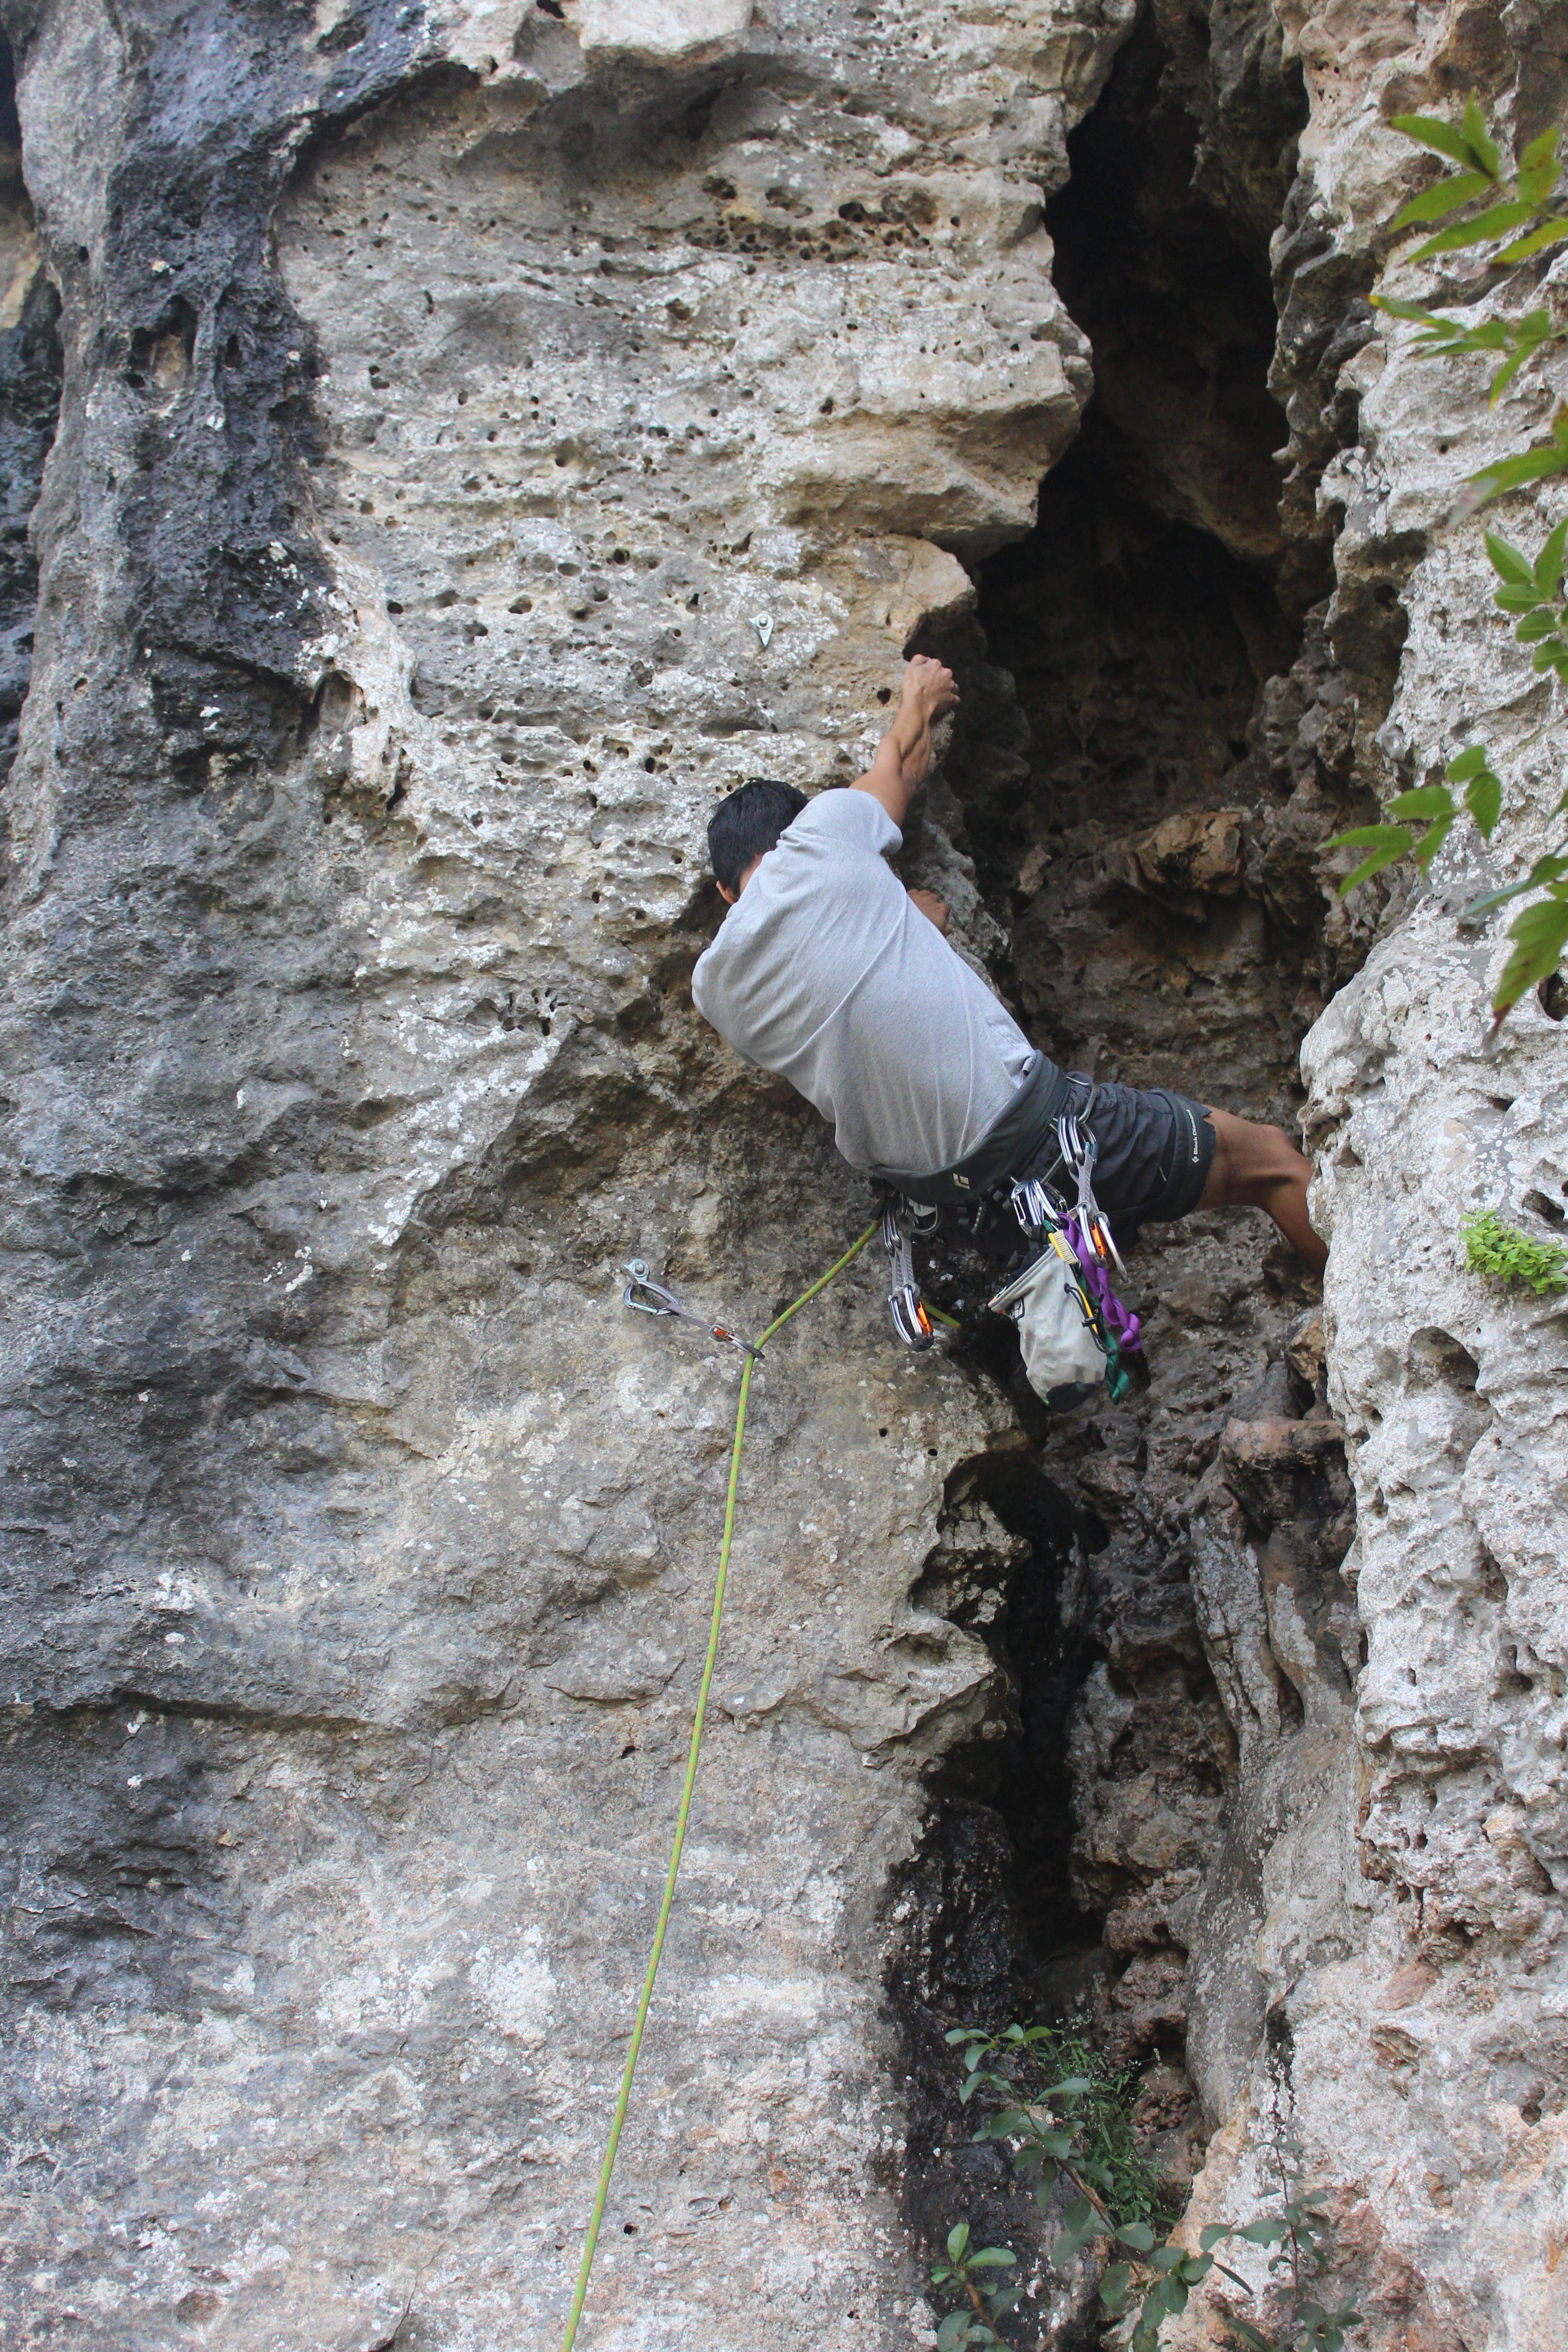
x: 29, y: 405
x: 1162, y: 898
x: 1155, y: 740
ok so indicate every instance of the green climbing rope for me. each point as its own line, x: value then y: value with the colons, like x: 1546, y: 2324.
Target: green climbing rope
x: 601, y: 2196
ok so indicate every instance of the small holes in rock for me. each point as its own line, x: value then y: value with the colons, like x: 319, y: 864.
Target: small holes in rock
x: 521, y: 604
x: 884, y: 694
x: 620, y: 556
x: 462, y: 400
x: 1544, y: 1206
x: 881, y: 1433
x: 596, y: 898
x: 1553, y: 996
x: 391, y: 607
x: 931, y: 1451
x: 649, y: 763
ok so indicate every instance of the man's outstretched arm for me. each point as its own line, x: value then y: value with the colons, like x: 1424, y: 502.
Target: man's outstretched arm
x: 903, y: 755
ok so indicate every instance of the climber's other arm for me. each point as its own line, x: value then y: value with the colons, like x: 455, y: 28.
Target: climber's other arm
x: 903, y: 755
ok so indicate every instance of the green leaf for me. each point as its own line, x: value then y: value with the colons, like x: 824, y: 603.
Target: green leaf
x: 1549, y: 564
x: 1427, y: 800
x: 1505, y: 375
x: 1511, y: 474
x: 1550, y: 233
x: 955, y: 2332
x: 1386, y: 842
x: 1544, y: 872
x: 960, y: 2034
x: 1454, y: 189
x: 1483, y: 798
x: 1509, y: 563
x: 1251, y: 2335
x: 1069, y: 2085
x: 1553, y: 656
x: 1516, y: 600
x: 1541, y: 622
x: 957, y: 2239
x: 1473, y: 130
x: 1265, y: 2232
x: 991, y: 2258
x: 1113, y: 2288
x: 1432, y: 840
x: 1539, y: 168
x: 1484, y: 230
x: 1138, y: 2235
x: 1371, y: 836
x: 1428, y: 319
x: 1466, y: 764
x: 1443, y: 138
x: 1213, y: 2235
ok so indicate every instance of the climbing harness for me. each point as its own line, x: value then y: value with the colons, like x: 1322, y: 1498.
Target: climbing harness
x: 1073, y: 1328
x: 651, y: 1299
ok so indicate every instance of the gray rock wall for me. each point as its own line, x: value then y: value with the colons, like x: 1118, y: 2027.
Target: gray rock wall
x: 487, y: 433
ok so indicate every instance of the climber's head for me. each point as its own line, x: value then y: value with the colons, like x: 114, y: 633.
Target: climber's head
x: 746, y: 825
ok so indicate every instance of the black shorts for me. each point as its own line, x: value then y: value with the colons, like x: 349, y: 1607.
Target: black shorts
x: 1153, y: 1151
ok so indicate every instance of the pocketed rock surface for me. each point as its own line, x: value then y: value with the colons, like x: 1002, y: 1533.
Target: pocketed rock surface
x: 485, y: 434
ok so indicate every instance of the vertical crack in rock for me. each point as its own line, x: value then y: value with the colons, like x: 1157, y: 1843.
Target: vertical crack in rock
x: 1163, y: 719
x: 29, y: 406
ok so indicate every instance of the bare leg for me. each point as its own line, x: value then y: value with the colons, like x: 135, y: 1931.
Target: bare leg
x: 1259, y: 1168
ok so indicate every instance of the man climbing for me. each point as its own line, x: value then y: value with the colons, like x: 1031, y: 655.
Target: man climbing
x: 829, y: 973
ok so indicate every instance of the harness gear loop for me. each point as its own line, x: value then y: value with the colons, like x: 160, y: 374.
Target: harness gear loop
x: 665, y: 1305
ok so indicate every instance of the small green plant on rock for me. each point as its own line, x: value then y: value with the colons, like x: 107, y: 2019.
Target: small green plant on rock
x: 1060, y: 2128
x: 963, y: 2328
x: 1502, y: 1253
x: 1507, y: 218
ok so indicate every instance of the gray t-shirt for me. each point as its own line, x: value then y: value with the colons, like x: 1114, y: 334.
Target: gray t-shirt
x: 825, y: 974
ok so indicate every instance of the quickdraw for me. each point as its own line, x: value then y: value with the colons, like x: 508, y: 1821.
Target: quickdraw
x: 655, y: 1299
x: 911, y: 1320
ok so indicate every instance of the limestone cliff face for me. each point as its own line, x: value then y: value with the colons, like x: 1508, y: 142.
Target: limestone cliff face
x: 485, y: 432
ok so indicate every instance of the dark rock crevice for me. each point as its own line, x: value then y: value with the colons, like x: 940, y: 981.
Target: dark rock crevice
x: 30, y: 370
x: 1161, y: 727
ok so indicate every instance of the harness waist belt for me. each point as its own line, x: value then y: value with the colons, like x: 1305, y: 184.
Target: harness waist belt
x: 1022, y: 1132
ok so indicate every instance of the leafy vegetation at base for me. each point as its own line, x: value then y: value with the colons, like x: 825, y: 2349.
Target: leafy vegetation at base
x: 1078, y: 2125
x: 1503, y: 1254
x: 1514, y: 213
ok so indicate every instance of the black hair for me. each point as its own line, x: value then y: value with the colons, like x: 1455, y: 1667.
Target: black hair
x: 748, y: 824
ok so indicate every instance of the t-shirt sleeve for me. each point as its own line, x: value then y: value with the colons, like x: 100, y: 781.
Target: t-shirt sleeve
x: 842, y: 818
